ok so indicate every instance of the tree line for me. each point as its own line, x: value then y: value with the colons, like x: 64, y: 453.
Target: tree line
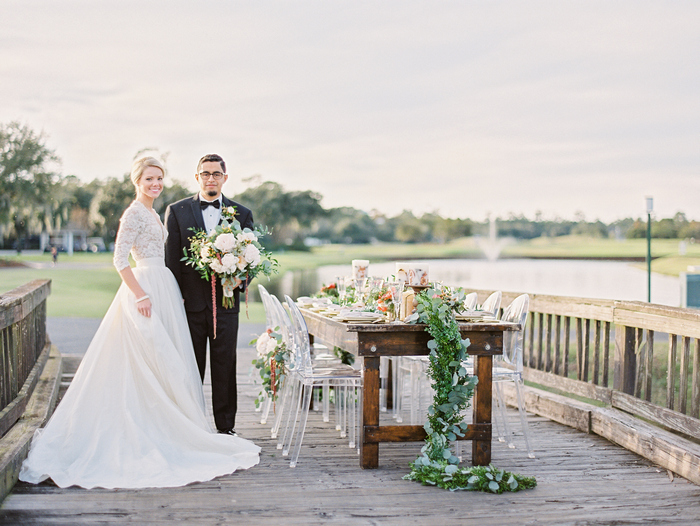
x: 35, y: 197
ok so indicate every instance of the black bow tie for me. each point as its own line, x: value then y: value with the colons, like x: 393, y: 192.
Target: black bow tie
x: 205, y: 204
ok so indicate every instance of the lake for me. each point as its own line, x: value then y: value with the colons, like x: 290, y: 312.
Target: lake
x: 581, y: 278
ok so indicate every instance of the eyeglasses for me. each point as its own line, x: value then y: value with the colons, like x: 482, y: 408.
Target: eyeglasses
x: 207, y: 175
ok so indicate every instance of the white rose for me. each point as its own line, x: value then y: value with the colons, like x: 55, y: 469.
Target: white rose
x: 240, y: 237
x: 229, y: 262
x: 251, y: 254
x: 271, y: 345
x: 262, y: 344
x: 216, y: 266
x: 204, y: 253
x: 231, y: 210
x: 242, y: 263
x: 225, y: 242
x: 250, y: 236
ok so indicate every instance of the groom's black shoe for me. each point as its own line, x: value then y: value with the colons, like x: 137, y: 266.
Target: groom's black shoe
x: 231, y: 432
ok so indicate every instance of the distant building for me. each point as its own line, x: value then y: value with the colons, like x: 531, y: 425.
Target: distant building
x: 67, y: 241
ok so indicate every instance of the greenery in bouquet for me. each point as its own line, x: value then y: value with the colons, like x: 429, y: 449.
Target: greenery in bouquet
x: 271, y: 362
x: 230, y: 252
x: 454, y: 387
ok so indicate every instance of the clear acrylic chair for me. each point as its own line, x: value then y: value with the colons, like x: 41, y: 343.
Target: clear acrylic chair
x: 303, y: 377
x: 283, y: 321
x: 278, y: 319
x: 265, y: 406
x: 413, y: 392
x: 492, y: 304
x: 265, y: 298
x: 509, y: 368
x: 470, y: 300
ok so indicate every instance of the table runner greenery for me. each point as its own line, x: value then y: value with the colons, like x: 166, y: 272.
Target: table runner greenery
x: 438, y: 465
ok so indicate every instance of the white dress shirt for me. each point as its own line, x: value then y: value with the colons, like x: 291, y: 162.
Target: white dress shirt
x: 211, y: 215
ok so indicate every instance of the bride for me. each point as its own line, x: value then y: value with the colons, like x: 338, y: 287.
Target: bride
x: 134, y: 415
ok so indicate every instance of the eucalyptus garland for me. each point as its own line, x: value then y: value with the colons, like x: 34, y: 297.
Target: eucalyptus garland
x: 438, y: 465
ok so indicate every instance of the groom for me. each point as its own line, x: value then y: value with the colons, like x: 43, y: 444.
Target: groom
x: 203, y: 211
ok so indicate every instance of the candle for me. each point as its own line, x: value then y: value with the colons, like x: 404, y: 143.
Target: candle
x: 360, y: 268
x: 418, y: 275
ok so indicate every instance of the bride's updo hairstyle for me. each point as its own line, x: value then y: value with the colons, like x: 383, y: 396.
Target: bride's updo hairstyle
x: 140, y: 165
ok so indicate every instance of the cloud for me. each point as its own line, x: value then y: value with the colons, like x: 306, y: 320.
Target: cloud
x: 468, y: 108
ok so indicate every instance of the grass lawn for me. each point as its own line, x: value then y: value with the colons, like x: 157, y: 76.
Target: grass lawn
x: 84, y: 284
x: 85, y: 291
x: 665, y: 252
x: 586, y: 247
x: 74, y: 292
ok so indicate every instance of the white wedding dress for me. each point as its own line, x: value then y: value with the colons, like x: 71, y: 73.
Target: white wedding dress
x: 134, y: 415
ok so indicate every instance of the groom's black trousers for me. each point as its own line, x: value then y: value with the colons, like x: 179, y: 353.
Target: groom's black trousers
x: 222, y: 356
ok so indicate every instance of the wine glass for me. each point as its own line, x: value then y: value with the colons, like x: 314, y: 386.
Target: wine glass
x: 375, y: 283
x: 341, y: 284
x: 360, y: 289
x: 396, y: 289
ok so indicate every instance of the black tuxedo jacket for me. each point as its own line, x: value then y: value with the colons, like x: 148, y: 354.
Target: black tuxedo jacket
x: 179, y: 218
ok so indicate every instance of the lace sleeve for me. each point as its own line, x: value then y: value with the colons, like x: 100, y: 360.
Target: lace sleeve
x: 129, y: 228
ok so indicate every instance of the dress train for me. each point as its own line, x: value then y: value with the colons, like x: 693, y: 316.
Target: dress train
x: 134, y: 415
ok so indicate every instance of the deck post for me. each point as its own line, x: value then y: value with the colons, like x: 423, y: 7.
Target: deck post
x: 625, y: 359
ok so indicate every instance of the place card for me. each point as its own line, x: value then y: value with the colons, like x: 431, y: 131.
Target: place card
x: 413, y: 274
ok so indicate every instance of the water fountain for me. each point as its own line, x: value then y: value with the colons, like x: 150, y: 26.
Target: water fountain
x: 491, y: 246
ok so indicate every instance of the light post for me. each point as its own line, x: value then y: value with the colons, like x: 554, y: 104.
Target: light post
x: 650, y: 209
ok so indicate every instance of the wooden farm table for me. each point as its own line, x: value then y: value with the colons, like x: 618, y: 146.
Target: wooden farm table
x: 370, y: 341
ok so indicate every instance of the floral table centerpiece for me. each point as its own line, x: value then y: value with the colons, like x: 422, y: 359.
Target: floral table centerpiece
x: 329, y: 291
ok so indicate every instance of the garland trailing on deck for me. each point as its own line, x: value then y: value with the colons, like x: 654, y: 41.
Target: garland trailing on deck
x: 437, y: 465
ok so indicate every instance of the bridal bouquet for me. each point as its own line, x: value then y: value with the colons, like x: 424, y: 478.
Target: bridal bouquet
x: 271, y: 361
x: 229, y: 252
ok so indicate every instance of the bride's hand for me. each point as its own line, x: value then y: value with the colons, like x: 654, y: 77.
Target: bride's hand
x: 144, y: 307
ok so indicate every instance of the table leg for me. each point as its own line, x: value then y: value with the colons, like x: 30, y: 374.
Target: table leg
x: 481, y: 448
x: 369, y: 453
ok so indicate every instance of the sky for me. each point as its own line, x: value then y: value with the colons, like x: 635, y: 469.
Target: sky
x: 465, y: 108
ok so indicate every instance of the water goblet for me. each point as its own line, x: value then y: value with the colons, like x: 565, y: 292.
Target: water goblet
x: 374, y: 287
x: 340, y: 285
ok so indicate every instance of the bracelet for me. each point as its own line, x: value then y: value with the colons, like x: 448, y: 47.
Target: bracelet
x: 142, y: 298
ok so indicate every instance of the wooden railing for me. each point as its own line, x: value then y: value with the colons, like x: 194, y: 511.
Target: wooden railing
x: 24, y: 347
x: 641, y: 358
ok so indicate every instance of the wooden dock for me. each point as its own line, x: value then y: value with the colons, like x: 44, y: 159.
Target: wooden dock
x: 582, y: 480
